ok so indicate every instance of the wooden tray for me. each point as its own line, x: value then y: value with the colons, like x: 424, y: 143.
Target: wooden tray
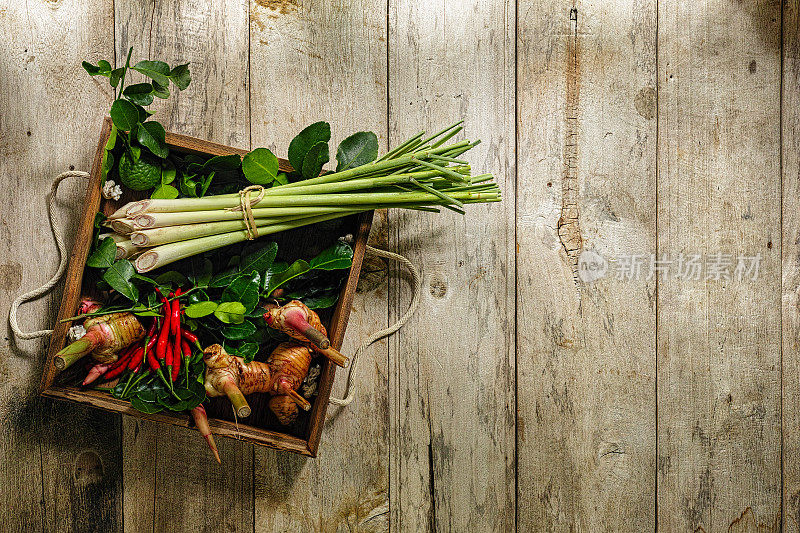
x: 261, y: 431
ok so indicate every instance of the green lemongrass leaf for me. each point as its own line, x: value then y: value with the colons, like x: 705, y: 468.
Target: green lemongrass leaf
x: 300, y: 145
x: 315, y: 159
x: 180, y: 76
x: 247, y: 351
x: 297, y: 268
x: 166, y: 192
x: 358, y: 149
x: 338, y: 256
x: 239, y: 331
x: 223, y: 162
x: 161, y: 91
x: 201, y: 309
x: 260, y: 166
x: 139, y: 93
x: 152, y: 136
x: 230, y: 312
x: 158, y: 71
x: 260, y: 259
x: 119, y: 275
x: 115, y: 76
x: 124, y: 114
x: 105, y: 255
x: 243, y: 289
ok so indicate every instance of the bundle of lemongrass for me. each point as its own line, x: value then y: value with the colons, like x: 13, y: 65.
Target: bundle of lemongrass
x: 419, y: 174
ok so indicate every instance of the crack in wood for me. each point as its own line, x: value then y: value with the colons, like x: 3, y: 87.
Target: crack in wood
x: 569, y: 228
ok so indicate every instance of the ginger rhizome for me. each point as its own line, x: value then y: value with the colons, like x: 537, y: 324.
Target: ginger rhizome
x: 281, y: 375
x: 105, y: 336
x: 299, y: 322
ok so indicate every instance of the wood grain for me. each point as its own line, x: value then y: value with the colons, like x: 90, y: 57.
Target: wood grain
x: 719, y: 412
x: 59, y: 466
x: 213, y: 37
x: 314, y: 61
x: 452, y: 366
x: 790, y: 251
x: 585, y: 347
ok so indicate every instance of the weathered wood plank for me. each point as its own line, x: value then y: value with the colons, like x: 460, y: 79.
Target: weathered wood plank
x: 452, y: 366
x: 586, y: 347
x: 171, y: 481
x: 719, y: 439
x: 790, y: 251
x: 59, y: 464
x: 315, y: 61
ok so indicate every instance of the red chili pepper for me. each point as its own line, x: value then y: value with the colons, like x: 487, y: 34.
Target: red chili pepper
x: 176, y: 334
x: 137, y: 357
x: 191, y: 337
x: 119, y: 366
x: 187, y: 350
x: 161, y: 347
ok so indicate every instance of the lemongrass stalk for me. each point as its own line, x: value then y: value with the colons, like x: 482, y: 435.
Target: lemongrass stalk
x: 125, y: 248
x: 158, y: 236
x: 169, y: 253
x: 178, y: 218
x: 391, y: 153
x: 122, y: 226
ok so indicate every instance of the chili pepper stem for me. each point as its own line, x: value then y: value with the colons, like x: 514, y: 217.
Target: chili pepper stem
x: 237, y: 399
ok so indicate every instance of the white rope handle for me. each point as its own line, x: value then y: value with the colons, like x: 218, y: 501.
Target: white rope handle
x: 349, y: 391
x: 62, y: 265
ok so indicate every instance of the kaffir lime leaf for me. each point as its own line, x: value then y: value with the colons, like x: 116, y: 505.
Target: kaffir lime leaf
x: 139, y: 175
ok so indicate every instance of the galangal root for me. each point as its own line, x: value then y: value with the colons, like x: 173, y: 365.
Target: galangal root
x: 299, y: 322
x: 105, y: 336
x: 280, y: 376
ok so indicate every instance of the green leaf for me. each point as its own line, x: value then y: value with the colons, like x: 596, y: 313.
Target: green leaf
x: 173, y: 278
x: 188, y: 185
x: 243, y: 289
x: 105, y: 66
x: 158, y: 71
x: 206, y: 183
x: 281, y: 179
x: 168, y: 172
x: 223, y: 278
x: 152, y: 136
x: 105, y: 255
x: 260, y: 166
x: 247, y: 351
x: 230, y: 312
x: 93, y: 70
x: 124, y: 114
x: 180, y: 76
x: 139, y: 93
x: 161, y: 91
x: 115, y: 75
x: 322, y: 301
x: 201, y: 271
x: 239, y: 331
x: 297, y: 268
x: 259, y: 260
x: 167, y: 192
x: 223, y: 162
x: 358, y: 149
x: 201, y: 309
x: 340, y: 255
x: 145, y: 407
x: 316, y: 157
x: 119, y: 275
x: 300, y: 145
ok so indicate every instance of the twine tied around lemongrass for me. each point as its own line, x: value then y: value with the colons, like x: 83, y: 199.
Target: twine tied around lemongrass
x: 246, y: 207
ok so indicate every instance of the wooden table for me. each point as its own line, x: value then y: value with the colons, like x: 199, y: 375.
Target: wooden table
x: 524, y: 394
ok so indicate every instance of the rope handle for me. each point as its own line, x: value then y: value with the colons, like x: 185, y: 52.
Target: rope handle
x: 62, y: 265
x: 349, y: 391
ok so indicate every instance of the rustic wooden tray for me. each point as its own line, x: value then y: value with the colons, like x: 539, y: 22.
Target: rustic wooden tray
x: 256, y: 429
